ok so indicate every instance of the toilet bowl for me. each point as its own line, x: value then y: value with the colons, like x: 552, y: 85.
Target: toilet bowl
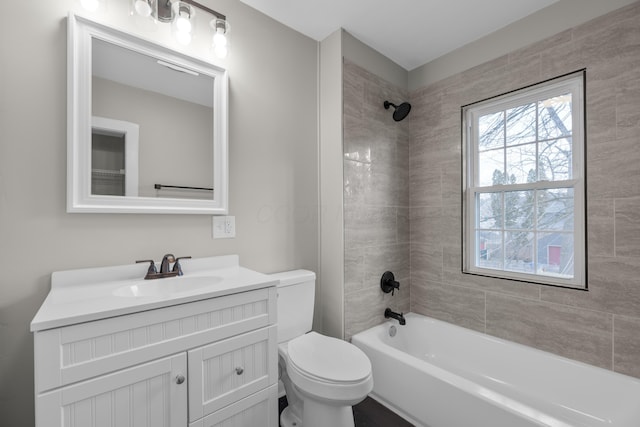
x: 326, y: 376
x: 322, y: 376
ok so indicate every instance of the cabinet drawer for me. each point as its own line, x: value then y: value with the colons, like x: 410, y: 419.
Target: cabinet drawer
x: 259, y: 409
x: 74, y: 353
x: 229, y: 370
x: 147, y: 395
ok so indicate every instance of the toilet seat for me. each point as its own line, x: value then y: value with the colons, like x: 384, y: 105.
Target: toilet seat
x: 328, y: 368
x: 328, y: 359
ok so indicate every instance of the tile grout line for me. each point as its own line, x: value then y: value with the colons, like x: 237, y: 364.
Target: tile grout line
x: 613, y: 342
x: 615, y: 245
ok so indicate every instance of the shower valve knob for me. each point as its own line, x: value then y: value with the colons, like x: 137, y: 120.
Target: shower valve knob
x: 388, y: 283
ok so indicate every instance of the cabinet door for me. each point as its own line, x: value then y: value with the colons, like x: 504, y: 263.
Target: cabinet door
x: 152, y: 394
x: 227, y: 371
x: 258, y: 410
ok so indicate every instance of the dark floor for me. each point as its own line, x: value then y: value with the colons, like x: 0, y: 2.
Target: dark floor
x: 369, y: 413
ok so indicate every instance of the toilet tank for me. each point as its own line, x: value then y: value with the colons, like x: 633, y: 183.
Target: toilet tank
x: 296, y: 293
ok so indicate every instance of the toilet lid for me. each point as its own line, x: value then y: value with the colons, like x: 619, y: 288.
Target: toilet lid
x: 329, y: 358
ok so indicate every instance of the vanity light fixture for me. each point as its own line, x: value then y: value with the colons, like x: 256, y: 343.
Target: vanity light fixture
x: 181, y: 14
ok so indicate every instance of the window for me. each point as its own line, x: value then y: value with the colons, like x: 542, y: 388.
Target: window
x: 524, y: 191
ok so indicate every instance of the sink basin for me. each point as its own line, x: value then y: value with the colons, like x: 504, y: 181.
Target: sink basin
x: 166, y: 287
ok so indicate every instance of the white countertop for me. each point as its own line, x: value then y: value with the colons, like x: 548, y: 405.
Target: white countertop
x: 85, y: 295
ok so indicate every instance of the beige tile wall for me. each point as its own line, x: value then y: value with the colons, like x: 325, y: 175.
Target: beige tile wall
x: 376, y: 198
x: 600, y: 326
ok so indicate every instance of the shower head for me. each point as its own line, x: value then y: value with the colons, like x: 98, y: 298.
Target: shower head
x: 401, y: 111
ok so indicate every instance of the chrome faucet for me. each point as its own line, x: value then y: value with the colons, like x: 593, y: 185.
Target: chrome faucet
x: 398, y: 316
x: 165, y: 271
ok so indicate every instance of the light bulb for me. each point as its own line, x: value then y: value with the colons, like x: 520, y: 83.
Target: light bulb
x: 183, y: 24
x: 90, y: 5
x: 219, y: 39
x: 143, y: 8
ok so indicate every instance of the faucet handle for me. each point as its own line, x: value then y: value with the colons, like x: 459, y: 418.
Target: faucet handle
x: 152, y: 267
x: 388, y: 283
x: 177, y: 267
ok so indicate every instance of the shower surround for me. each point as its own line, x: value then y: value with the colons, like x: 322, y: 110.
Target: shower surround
x: 376, y: 198
x: 599, y: 326
x: 402, y: 200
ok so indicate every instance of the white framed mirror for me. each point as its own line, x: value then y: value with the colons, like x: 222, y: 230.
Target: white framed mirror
x: 147, y: 126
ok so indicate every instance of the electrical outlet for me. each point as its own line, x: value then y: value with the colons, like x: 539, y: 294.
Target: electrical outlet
x: 224, y: 227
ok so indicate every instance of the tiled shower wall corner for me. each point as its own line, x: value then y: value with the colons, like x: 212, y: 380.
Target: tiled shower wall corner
x: 376, y: 199
x: 599, y: 326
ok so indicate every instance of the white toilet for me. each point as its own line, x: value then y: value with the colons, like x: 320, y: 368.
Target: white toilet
x: 322, y: 376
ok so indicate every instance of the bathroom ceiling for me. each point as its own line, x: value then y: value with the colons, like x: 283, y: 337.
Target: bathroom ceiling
x: 410, y: 32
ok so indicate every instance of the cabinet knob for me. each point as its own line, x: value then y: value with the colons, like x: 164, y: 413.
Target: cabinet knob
x: 179, y: 379
x: 239, y: 370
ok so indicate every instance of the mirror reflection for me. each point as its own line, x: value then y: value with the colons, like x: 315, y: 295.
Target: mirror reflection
x: 151, y: 126
x: 147, y: 126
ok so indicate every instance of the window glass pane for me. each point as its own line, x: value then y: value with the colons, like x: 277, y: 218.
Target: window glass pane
x: 491, y: 131
x: 518, y: 248
x: 489, y: 249
x: 555, y: 160
x: 555, y: 209
x: 554, y: 117
x: 521, y: 124
x: 491, y: 167
x: 490, y: 205
x: 521, y: 164
x: 555, y: 254
x: 518, y: 206
x: 522, y: 149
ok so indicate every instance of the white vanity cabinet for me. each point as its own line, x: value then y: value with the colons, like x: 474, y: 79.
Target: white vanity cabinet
x: 198, y: 364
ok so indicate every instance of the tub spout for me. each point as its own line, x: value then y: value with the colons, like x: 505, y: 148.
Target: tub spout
x: 398, y: 316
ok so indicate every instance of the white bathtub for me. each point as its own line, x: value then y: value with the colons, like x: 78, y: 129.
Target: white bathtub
x: 440, y: 375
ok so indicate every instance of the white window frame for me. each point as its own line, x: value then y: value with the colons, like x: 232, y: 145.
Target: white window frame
x: 573, y: 83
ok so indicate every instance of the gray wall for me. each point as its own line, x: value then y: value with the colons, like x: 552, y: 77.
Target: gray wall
x: 273, y: 175
x: 175, y: 137
x: 376, y: 198
x: 351, y: 237
x: 600, y: 326
x: 553, y: 19
x: 373, y: 61
x: 373, y: 187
